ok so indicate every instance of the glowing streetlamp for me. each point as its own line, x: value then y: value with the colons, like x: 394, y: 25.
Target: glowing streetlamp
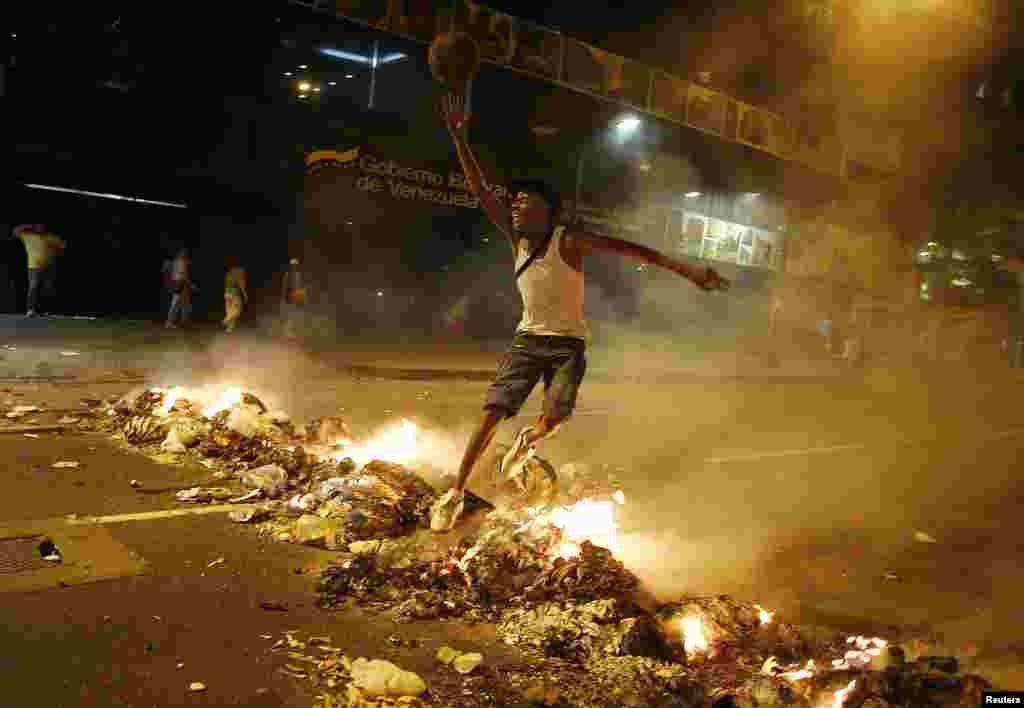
x: 627, y: 126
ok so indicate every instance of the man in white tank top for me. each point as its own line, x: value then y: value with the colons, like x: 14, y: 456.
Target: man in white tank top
x: 550, y: 340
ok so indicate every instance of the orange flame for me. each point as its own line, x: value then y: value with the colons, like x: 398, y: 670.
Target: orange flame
x: 801, y: 674
x: 695, y: 640
x: 840, y: 697
x: 764, y: 615
x: 398, y: 444
x: 586, y: 520
x: 228, y: 398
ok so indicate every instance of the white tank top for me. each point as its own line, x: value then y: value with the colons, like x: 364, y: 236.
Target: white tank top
x: 552, y: 293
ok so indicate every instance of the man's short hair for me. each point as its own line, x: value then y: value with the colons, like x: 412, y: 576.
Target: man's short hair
x: 539, y: 186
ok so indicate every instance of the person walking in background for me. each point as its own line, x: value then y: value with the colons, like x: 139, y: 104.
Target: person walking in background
x: 166, y: 284
x: 236, y: 294
x: 293, y: 298
x: 181, y: 302
x: 41, y: 248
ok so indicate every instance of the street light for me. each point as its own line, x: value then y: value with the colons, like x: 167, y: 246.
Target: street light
x: 627, y: 126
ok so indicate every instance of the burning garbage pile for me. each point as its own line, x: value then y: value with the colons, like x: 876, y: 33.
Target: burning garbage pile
x: 542, y: 567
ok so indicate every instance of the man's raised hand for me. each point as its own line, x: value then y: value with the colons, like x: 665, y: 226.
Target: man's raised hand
x: 455, y: 115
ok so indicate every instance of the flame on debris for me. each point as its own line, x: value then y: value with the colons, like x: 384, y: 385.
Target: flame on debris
x: 228, y: 398
x: 764, y: 615
x: 398, y: 444
x: 841, y: 695
x: 695, y: 640
x: 170, y: 398
x: 801, y: 674
x: 586, y: 520
x: 860, y: 655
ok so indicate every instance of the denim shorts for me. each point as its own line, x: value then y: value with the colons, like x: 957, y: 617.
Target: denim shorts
x: 559, y: 360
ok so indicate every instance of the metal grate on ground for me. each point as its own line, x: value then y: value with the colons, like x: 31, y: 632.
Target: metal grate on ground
x: 21, y: 555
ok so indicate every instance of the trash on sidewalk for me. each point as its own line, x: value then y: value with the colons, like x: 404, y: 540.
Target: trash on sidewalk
x: 446, y: 655
x: 382, y: 678
x: 65, y: 464
x: 216, y: 562
x: 204, y: 494
x: 922, y: 537
x: 49, y: 551
x: 197, y: 686
x: 467, y: 663
x: 249, y: 516
x: 270, y: 479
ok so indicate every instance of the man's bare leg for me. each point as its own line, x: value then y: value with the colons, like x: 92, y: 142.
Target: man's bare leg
x: 448, y: 508
x: 477, y: 445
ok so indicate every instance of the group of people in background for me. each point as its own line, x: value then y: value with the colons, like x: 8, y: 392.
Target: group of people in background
x: 179, y: 287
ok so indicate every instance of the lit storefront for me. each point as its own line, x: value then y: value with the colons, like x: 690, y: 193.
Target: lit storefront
x: 744, y: 230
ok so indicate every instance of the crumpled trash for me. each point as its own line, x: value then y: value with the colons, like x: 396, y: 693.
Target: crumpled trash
x: 145, y: 429
x: 446, y: 655
x: 584, y: 632
x: 248, y: 516
x: 204, y: 494
x: 197, y: 686
x: 315, y: 530
x: 248, y: 421
x: 65, y: 464
x: 365, y: 547
x: 467, y: 663
x: 381, y: 500
x: 303, y: 503
x: 26, y: 409
x: 328, y: 431
x: 382, y: 678
x: 251, y: 496
x: 333, y: 487
x: 173, y: 443
x: 272, y: 479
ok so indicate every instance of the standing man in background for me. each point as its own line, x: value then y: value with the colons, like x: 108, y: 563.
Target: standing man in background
x: 293, y: 298
x: 181, y: 303
x: 236, y: 294
x: 42, y: 248
x: 166, y: 284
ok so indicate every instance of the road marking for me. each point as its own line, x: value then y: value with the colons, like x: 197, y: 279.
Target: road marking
x: 751, y: 457
x: 165, y: 514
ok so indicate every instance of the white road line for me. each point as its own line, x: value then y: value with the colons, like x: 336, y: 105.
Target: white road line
x: 751, y: 457
x: 164, y: 514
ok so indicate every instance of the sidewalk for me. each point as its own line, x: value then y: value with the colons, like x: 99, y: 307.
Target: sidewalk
x: 58, y: 348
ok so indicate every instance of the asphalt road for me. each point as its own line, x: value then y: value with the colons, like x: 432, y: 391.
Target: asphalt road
x: 802, y: 496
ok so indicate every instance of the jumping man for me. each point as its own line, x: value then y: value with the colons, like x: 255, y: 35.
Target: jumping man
x: 551, y: 338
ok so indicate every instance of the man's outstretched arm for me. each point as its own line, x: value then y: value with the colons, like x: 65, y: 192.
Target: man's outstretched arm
x: 457, y: 120
x: 705, y: 278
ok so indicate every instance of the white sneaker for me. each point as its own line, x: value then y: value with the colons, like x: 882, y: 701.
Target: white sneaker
x: 447, y: 510
x: 514, y: 460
